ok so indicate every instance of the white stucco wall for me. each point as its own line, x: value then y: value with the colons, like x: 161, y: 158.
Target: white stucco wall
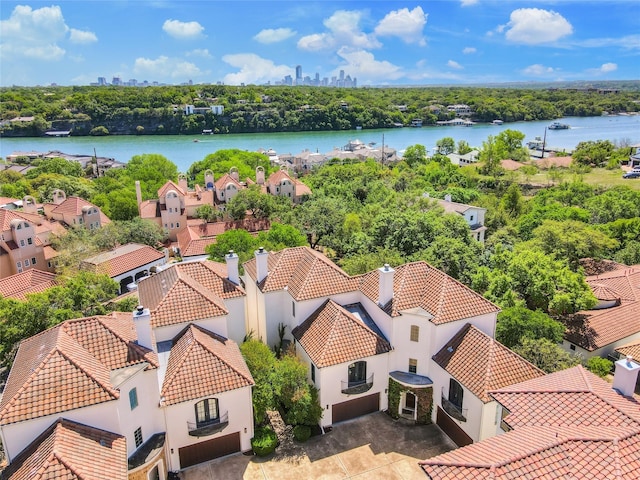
x: 237, y: 403
x: 404, y: 349
x: 600, y: 352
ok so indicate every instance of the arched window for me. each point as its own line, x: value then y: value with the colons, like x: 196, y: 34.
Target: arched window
x: 207, y: 412
x: 357, y: 373
x: 455, y: 393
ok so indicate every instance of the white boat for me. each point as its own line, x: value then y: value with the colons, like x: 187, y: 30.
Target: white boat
x: 558, y: 126
x: 497, y: 122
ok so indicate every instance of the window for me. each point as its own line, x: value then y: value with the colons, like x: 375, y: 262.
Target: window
x: 415, y: 333
x: 172, y: 225
x: 33, y: 260
x: 572, y: 346
x: 137, y: 436
x: 313, y: 373
x: 455, y: 393
x: 19, y: 264
x: 357, y: 373
x: 80, y: 220
x: 503, y: 424
x: 293, y: 309
x: 133, y: 398
x: 26, y: 262
x: 471, y: 218
x: 413, y: 365
x: 207, y: 412
x: 177, y: 224
x: 30, y: 241
x: 22, y: 243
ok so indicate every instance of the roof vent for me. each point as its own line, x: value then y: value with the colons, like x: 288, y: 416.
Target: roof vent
x: 139, y: 310
x: 450, y: 349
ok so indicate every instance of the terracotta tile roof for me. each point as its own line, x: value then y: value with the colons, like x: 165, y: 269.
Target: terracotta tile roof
x: 39, y: 223
x: 595, y: 329
x: 206, y: 197
x: 73, y: 359
x: 49, y: 252
x: 333, y: 335
x: 625, y: 281
x: 73, y: 206
x: 511, y: 165
x: 71, y: 451
x: 122, y: 259
x: 280, y: 175
x: 222, y: 182
x: 603, y: 292
x: 202, y: 364
x: 30, y: 281
x: 632, y: 349
x: 419, y: 285
x: 455, y: 207
x: 149, y: 209
x: 5, y: 200
x: 305, y: 273
x: 187, y: 291
x: 569, y: 424
x: 162, y: 191
x: 482, y: 364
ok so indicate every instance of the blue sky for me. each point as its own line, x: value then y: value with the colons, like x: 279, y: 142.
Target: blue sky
x: 378, y: 42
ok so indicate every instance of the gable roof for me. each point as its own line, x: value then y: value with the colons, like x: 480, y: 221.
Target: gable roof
x: 630, y: 349
x: 122, y: 259
x: 455, y: 207
x: 333, y: 335
x: 222, y: 182
x: 482, y: 364
x: 201, y: 364
x: 169, y: 185
x: 71, y: 451
x: 74, y: 206
x: 280, y: 175
x: 419, y: 285
x: 73, y: 359
x: 594, y: 329
x: 187, y: 291
x: 565, y: 424
x: 30, y: 281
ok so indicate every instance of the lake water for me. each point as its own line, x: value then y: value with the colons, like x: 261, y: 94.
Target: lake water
x: 183, y: 151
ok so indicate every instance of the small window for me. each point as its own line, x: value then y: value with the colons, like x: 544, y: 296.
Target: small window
x: 413, y: 365
x: 572, y: 346
x: 471, y: 218
x: 455, y: 393
x: 137, y: 436
x: 30, y: 241
x: 133, y: 398
x: 172, y: 225
x: 22, y: 243
x: 26, y: 262
x: 293, y: 309
x: 19, y: 264
x: 415, y: 333
x: 80, y: 220
x: 165, y: 225
x: 313, y: 373
x: 19, y: 226
x: 33, y: 260
x: 177, y: 224
x: 503, y: 424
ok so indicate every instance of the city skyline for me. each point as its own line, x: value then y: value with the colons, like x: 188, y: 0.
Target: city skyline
x: 377, y: 43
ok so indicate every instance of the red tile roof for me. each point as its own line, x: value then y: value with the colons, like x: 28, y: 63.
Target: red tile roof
x: 73, y: 359
x: 625, y: 281
x: 632, y: 349
x: 280, y: 175
x: 187, y: 291
x: 30, y: 281
x: 122, y: 259
x: 162, y: 191
x: 201, y: 364
x: 222, y: 182
x: 74, y: 205
x: 71, y: 451
x: 482, y: 364
x: 569, y: 424
x: 333, y: 335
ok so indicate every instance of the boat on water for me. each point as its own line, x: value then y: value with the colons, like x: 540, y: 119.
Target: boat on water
x: 558, y: 126
x: 497, y: 122
x: 416, y: 122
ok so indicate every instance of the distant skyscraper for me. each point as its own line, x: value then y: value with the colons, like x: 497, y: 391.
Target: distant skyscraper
x: 298, y: 74
x: 102, y: 81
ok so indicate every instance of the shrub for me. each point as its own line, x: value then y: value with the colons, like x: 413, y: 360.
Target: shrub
x: 600, y: 366
x: 264, y: 441
x: 301, y: 432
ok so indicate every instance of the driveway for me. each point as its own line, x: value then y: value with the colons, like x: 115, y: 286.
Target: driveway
x: 371, y: 447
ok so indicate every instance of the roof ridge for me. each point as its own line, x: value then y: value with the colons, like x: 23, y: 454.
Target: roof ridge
x: 62, y: 460
x: 232, y: 367
x: 490, y: 359
x: 200, y: 289
x: 177, y: 368
x: 109, y: 388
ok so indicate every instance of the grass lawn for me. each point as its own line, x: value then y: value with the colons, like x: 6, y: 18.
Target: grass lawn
x: 610, y: 178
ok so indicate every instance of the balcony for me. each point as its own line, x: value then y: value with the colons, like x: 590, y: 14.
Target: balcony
x: 453, y: 410
x: 355, y: 388
x: 209, y: 427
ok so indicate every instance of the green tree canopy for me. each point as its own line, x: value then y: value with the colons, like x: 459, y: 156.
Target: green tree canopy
x: 546, y: 355
x: 517, y: 323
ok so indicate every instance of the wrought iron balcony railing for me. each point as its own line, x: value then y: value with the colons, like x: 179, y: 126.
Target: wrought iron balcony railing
x: 209, y: 427
x: 354, y: 388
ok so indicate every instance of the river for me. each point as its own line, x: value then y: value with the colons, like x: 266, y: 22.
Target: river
x: 183, y: 150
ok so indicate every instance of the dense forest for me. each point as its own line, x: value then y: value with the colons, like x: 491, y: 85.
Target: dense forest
x: 159, y: 110
x: 365, y: 214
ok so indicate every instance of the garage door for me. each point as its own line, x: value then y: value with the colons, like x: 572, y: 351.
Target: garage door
x: 356, y: 407
x: 452, y: 429
x: 209, y: 449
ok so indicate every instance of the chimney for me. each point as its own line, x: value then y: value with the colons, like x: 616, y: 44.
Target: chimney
x: 262, y: 256
x: 447, y: 198
x: 232, y: 267
x: 138, y: 193
x: 142, y: 322
x: 626, y: 375
x: 182, y: 182
x: 385, y: 285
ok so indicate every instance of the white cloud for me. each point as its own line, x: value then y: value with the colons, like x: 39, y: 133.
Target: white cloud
x: 254, y: 69
x: 343, y: 30
x: 404, y: 24
x: 608, y: 67
x: 469, y: 50
x: 629, y: 42
x: 454, y: 64
x: 33, y: 33
x: 466, y: 3
x: 199, y: 52
x: 363, y: 66
x: 80, y: 36
x: 165, y: 67
x: 274, y: 35
x: 533, y: 26
x: 183, y: 30
x: 538, y: 70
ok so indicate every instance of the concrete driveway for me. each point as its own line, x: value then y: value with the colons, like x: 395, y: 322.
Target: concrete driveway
x: 370, y: 447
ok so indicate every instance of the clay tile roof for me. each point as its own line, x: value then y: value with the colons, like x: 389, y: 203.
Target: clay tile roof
x: 511, y: 164
x: 162, y: 191
x: 149, y: 209
x: 74, y: 205
x: 30, y: 281
x: 455, y: 207
x: 6, y: 216
x: 122, y: 259
x: 73, y: 359
x: 568, y: 424
x: 419, y: 285
x: 187, y: 291
x: 305, y: 273
x: 630, y: 349
x: 333, y: 335
x: 603, y: 292
x: 625, y: 281
x: 201, y: 364
x: 71, y: 451
x: 224, y: 180
x: 482, y: 364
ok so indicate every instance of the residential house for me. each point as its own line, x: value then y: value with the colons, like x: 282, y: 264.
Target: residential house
x: 281, y: 184
x: 126, y: 264
x: 473, y: 215
x: 18, y: 286
x: 469, y: 158
x: 193, y: 110
x: 74, y: 211
x: 569, y: 424
x: 614, y: 321
x: 460, y: 110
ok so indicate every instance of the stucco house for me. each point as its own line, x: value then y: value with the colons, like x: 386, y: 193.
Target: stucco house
x: 474, y: 216
x: 74, y: 211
